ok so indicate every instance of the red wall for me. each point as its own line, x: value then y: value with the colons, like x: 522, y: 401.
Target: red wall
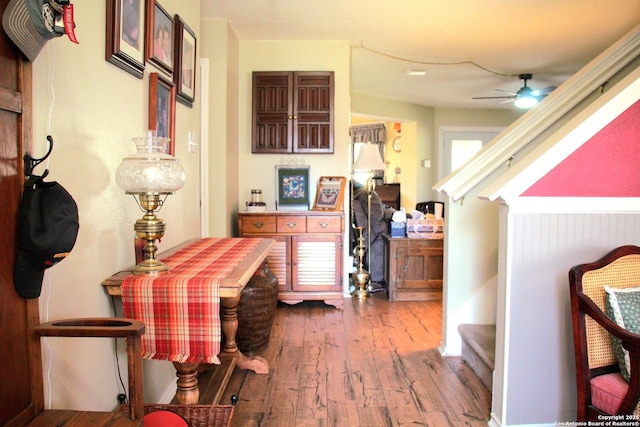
x: 608, y: 165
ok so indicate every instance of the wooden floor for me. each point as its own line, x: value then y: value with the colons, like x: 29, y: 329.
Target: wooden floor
x: 375, y: 363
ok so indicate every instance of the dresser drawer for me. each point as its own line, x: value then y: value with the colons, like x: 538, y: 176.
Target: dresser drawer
x: 324, y: 224
x: 292, y: 224
x: 258, y: 224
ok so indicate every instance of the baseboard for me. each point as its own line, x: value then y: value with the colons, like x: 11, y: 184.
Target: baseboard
x: 495, y: 422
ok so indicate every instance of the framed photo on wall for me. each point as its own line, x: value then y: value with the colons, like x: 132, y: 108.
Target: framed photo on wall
x: 184, y: 75
x: 162, y: 108
x: 292, y: 185
x: 159, y: 37
x: 125, y: 35
x: 330, y: 193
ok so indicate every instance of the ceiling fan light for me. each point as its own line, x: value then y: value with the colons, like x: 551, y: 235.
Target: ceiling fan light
x: 525, y: 101
x: 416, y: 72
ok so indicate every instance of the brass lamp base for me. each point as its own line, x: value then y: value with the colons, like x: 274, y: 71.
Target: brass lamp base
x: 361, y: 275
x: 150, y: 267
x: 150, y: 228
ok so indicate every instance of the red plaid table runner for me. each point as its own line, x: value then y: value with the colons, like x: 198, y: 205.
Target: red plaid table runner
x: 181, y: 309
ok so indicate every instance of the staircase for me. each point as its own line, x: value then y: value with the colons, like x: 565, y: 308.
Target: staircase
x: 478, y: 350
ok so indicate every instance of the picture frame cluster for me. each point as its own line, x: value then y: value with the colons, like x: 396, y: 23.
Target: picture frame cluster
x: 140, y: 32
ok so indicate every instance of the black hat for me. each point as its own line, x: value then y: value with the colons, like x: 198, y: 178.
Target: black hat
x: 48, y: 227
x: 31, y: 23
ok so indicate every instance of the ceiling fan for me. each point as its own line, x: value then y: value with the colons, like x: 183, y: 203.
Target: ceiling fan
x: 525, y: 97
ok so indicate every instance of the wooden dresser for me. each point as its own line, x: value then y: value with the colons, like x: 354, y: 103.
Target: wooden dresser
x: 307, y: 257
x: 413, y: 268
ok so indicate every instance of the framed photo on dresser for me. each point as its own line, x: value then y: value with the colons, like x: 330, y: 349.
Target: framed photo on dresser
x: 330, y: 193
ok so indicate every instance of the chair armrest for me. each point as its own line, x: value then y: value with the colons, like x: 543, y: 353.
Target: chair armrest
x: 109, y: 327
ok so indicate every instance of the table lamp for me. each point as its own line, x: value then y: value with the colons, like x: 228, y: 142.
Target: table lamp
x: 149, y: 174
x: 368, y: 161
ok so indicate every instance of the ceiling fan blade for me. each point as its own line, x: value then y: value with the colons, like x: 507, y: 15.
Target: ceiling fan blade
x: 544, y: 91
x: 493, y: 97
x: 507, y: 91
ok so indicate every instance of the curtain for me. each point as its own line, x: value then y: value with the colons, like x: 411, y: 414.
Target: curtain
x: 375, y: 133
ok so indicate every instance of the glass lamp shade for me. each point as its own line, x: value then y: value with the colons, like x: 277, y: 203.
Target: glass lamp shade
x: 150, y: 169
x: 368, y: 159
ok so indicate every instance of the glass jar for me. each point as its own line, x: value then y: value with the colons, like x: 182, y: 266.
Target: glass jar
x: 256, y: 198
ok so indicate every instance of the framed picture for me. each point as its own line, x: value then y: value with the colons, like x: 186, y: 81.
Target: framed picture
x: 184, y: 75
x: 330, y: 193
x: 292, y: 186
x: 162, y: 108
x: 125, y: 35
x: 159, y: 37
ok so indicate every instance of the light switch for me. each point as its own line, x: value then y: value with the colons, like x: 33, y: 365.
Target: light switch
x: 193, y: 145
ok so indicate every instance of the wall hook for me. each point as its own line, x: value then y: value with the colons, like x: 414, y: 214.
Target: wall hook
x: 30, y: 163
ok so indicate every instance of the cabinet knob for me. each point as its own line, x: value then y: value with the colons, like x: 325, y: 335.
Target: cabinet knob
x: 258, y: 224
x: 324, y: 225
x: 291, y: 224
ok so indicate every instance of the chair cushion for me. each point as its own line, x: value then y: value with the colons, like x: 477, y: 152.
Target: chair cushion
x: 623, y: 306
x: 164, y: 419
x: 607, y: 392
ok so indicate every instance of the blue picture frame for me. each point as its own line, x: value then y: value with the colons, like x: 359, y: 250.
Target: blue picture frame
x: 292, y: 185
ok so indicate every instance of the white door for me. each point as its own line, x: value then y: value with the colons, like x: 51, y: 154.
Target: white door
x: 459, y: 144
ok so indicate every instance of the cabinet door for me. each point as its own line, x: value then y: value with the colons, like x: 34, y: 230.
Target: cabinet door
x: 316, y: 263
x: 272, y: 112
x: 313, y: 112
x: 278, y: 261
x: 292, y: 112
x: 418, y: 266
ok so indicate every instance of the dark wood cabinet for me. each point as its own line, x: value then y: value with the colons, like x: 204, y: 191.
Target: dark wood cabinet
x: 292, y: 112
x: 307, y: 257
x: 413, y: 268
x: 389, y: 195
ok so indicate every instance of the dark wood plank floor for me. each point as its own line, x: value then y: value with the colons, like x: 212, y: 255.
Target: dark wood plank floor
x: 375, y: 363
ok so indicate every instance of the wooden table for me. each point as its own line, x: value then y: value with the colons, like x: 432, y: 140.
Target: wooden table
x: 230, y: 356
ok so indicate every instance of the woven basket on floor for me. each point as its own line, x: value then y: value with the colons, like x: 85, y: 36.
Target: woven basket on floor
x: 256, y: 311
x: 195, y: 415
x: 198, y: 415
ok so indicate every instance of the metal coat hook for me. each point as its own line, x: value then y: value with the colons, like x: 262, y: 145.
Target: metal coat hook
x: 30, y: 163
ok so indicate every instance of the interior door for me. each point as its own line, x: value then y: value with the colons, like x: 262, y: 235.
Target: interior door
x: 459, y: 144
x: 20, y: 366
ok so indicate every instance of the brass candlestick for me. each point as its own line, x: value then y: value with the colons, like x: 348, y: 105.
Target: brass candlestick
x: 361, y: 275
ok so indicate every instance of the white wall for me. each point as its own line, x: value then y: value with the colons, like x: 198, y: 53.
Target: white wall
x: 96, y: 111
x: 538, y: 376
x: 258, y: 170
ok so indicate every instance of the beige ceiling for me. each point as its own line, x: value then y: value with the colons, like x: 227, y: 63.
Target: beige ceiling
x: 552, y: 39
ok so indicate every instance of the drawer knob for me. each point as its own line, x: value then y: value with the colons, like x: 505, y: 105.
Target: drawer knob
x: 291, y: 224
x: 324, y: 225
x: 258, y: 224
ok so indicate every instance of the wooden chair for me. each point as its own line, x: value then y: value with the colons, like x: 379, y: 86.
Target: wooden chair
x: 131, y: 331
x: 597, y: 370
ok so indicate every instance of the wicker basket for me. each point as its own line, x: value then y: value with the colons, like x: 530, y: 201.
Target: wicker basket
x: 195, y: 415
x: 198, y: 415
x: 256, y: 311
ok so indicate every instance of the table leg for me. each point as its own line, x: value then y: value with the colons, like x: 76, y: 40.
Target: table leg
x: 187, y: 392
x: 229, y: 320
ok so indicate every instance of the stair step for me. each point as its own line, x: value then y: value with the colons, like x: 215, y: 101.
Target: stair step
x: 478, y: 350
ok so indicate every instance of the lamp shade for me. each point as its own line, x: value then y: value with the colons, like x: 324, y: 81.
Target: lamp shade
x: 368, y: 159
x: 150, y: 169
